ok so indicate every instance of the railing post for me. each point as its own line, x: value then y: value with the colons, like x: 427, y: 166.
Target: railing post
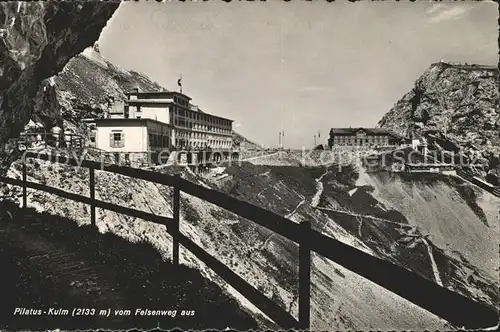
x: 305, y: 277
x: 25, y: 195
x: 92, y: 196
x: 176, y: 217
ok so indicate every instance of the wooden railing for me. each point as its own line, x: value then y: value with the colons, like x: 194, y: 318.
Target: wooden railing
x: 453, y: 307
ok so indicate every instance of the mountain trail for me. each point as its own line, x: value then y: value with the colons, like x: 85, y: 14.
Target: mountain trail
x: 288, y: 216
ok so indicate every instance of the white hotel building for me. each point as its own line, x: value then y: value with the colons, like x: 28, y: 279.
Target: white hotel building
x: 155, y: 121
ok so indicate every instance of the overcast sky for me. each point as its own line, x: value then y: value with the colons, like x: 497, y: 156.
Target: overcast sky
x: 300, y: 66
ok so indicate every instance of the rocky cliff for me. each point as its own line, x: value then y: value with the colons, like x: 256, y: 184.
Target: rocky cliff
x: 37, y: 40
x: 456, y: 107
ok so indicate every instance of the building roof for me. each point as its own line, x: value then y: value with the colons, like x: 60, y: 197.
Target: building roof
x: 150, y: 101
x: 158, y: 93
x: 369, y: 131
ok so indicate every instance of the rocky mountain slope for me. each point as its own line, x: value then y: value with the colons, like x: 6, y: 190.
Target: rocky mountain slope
x: 457, y: 107
x: 83, y: 88
x: 439, y: 227
x: 37, y: 39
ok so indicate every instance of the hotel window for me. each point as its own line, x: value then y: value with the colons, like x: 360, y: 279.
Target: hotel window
x: 116, y: 139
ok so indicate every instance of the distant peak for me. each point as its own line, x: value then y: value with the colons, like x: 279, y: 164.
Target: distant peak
x: 92, y: 53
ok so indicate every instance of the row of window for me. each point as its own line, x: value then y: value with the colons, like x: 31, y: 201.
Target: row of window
x: 370, y: 139
x: 117, y: 140
x: 198, y: 144
x: 197, y: 135
x: 218, y: 130
x: 195, y: 126
x: 188, y: 115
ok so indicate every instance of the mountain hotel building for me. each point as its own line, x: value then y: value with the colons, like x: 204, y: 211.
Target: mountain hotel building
x: 188, y: 126
x: 155, y: 121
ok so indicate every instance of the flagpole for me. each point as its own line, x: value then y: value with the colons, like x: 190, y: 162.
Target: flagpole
x: 179, y: 83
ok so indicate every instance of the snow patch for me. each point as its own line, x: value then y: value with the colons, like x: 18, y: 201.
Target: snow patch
x: 319, y: 190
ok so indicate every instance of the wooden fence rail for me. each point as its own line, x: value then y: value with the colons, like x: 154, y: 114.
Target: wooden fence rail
x: 453, y: 307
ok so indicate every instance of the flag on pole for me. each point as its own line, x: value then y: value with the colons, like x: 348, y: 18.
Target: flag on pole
x: 179, y: 83
x: 319, y: 135
x: 283, y: 132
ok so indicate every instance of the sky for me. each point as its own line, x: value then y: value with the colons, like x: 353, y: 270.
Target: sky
x: 302, y: 67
